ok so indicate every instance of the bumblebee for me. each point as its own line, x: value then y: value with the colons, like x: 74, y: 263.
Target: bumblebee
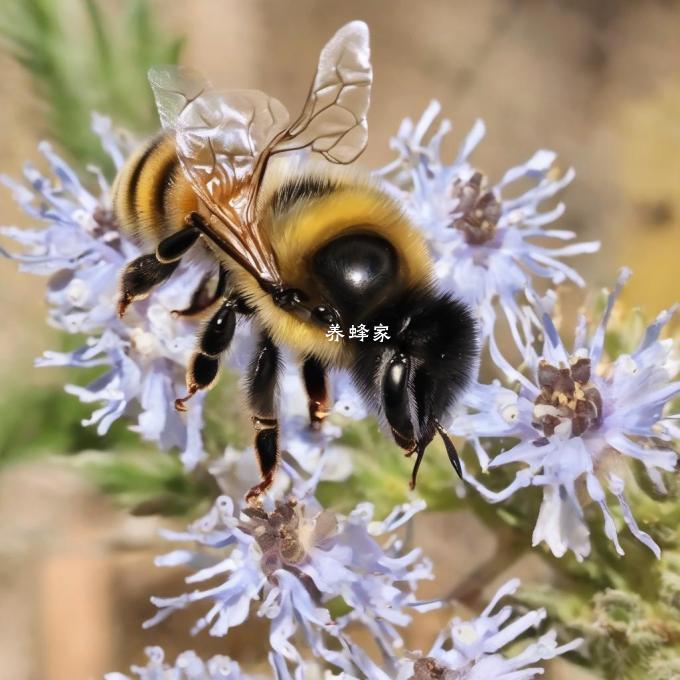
x: 303, y: 242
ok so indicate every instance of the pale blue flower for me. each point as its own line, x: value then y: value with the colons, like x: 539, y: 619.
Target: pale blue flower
x: 472, y: 650
x: 578, y: 419
x: 144, y: 356
x: 287, y: 560
x: 187, y: 666
x: 482, y: 236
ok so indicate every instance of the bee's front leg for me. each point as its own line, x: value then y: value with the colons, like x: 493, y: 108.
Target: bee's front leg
x: 261, y: 384
x: 139, y: 278
x: 144, y: 273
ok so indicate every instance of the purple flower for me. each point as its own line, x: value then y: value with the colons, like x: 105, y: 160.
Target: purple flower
x: 482, y: 236
x: 187, y: 666
x: 78, y: 246
x: 292, y: 557
x: 579, y: 418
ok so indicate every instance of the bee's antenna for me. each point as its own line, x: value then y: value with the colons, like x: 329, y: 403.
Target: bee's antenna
x: 420, y: 451
x: 450, y: 449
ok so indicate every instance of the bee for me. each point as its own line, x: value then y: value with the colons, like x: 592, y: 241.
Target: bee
x: 302, y: 242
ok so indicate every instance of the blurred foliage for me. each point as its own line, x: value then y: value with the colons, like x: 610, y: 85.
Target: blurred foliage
x: 381, y: 474
x: 226, y: 420
x: 149, y: 482
x: 627, y: 632
x: 44, y: 421
x: 84, y: 56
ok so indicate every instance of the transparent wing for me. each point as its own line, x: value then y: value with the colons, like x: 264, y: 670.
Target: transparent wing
x: 333, y: 121
x: 219, y: 137
x: 174, y: 87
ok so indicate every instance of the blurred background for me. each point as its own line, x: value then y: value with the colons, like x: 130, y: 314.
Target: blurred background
x: 598, y: 82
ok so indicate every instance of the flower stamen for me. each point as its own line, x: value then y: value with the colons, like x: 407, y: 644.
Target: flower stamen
x: 568, y: 404
x: 476, y: 213
x: 282, y: 535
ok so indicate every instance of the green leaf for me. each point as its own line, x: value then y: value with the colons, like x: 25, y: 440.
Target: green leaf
x: 46, y: 421
x: 148, y: 481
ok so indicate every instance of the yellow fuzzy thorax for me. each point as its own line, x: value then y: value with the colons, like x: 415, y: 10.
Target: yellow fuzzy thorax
x: 355, y: 204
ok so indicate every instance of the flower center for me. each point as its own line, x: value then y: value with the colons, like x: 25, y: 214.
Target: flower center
x: 427, y: 668
x: 569, y: 404
x: 106, y: 227
x: 477, y: 212
x: 277, y: 535
x: 286, y: 535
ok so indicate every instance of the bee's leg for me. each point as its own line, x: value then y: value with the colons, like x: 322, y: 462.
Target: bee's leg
x: 140, y: 276
x: 173, y: 247
x: 262, y: 378
x: 147, y: 271
x: 202, y: 298
x: 214, y: 339
x: 316, y: 384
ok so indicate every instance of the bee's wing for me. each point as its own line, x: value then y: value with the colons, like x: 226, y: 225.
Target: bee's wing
x: 224, y: 139
x: 219, y: 138
x: 333, y: 120
x: 174, y: 88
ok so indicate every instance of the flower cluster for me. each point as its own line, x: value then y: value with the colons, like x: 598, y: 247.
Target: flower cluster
x: 464, y: 650
x: 294, y: 557
x: 82, y: 251
x: 483, y: 241
x: 578, y: 418
x: 471, y: 650
x: 187, y: 666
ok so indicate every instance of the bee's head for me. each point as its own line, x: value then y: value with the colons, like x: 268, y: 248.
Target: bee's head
x: 414, y: 377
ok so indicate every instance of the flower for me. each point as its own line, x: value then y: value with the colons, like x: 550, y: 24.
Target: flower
x: 188, y: 666
x: 471, y: 650
x: 81, y: 250
x: 482, y: 240
x: 294, y: 557
x: 579, y: 419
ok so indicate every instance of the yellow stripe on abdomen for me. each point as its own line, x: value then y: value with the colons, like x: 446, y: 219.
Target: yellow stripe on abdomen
x: 151, y: 194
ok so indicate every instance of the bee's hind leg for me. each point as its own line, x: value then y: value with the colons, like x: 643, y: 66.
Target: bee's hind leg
x: 316, y: 384
x: 262, y: 380
x: 144, y: 273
